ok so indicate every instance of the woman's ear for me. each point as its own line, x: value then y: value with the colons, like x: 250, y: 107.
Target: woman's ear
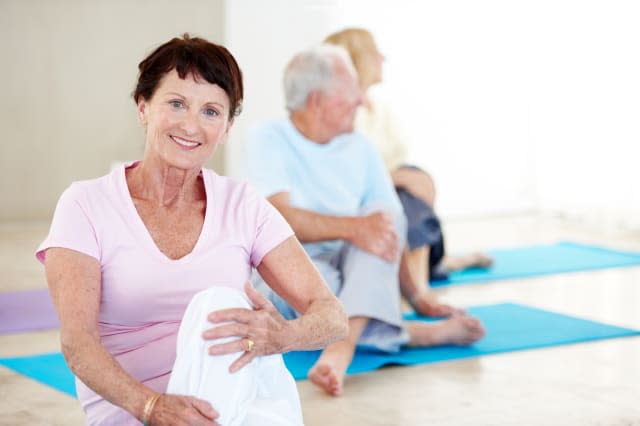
x: 142, y: 112
x: 225, y: 136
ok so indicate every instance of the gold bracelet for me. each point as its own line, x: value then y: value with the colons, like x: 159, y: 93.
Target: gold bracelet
x: 148, y: 408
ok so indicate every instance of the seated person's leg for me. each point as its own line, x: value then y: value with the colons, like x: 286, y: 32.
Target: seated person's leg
x: 416, y: 190
x: 426, y: 258
x: 436, y: 256
x: 417, y: 292
x: 425, y: 249
x: 370, y: 294
x: 370, y: 289
x: 425, y: 239
x: 241, y: 396
x: 415, y: 181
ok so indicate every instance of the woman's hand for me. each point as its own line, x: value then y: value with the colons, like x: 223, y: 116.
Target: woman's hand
x: 261, y: 331
x: 178, y: 410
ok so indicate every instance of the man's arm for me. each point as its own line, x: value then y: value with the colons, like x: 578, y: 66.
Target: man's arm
x: 373, y: 233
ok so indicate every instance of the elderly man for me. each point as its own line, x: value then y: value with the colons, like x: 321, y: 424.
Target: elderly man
x: 331, y: 186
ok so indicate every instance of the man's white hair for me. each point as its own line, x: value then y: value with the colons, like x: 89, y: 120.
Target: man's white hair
x: 311, y: 70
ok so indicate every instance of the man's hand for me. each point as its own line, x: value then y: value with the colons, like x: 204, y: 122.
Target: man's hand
x: 376, y: 234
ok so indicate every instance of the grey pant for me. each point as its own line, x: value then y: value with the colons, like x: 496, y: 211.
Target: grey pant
x: 366, y: 285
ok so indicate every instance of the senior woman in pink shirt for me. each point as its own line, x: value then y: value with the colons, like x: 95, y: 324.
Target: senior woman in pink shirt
x: 128, y: 252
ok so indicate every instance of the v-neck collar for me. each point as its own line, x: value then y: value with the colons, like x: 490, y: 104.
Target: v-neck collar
x: 140, y: 229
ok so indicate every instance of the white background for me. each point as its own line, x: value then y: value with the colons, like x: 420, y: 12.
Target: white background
x: 513, y: 106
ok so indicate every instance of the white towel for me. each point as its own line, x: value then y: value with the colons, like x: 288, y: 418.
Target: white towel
x: 261, y: 393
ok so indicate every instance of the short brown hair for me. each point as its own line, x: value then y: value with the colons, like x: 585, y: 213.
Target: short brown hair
x: 192, y: 56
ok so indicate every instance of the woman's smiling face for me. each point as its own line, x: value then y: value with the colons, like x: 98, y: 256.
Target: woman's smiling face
x: 185, y: 120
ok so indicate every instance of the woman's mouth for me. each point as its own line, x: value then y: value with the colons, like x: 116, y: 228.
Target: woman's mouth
x: 185, y: 143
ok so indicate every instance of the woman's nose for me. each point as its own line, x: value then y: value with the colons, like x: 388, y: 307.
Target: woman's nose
x: 189, y: 122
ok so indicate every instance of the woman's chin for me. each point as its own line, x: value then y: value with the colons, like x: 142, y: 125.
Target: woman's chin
x: 180, y: 162
x: 183, y: 159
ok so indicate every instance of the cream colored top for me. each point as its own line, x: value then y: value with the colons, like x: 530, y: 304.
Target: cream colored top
x: 380, y: 125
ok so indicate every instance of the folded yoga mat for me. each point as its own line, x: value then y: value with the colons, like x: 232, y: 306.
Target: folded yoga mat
x: 543, y: 260
x: 27, y: 311
x: 510, y: 327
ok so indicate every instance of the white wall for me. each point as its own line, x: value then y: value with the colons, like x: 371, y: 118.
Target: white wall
x: 263, y: 36
x: 437, y: 103
x: 585, y: 120
x: 457, y: 73
x: 512, y: 106
x: 68, y: 69
x: 523, y: 104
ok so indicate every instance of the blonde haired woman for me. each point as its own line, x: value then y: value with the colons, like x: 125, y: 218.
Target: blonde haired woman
x: 425, y: 252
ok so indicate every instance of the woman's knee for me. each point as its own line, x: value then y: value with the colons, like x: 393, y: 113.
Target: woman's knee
x: 423, y: 180
x: 218, y: 298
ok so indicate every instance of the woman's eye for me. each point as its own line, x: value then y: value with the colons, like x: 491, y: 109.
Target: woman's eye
x: 211, y: 112
x: 176, y: 104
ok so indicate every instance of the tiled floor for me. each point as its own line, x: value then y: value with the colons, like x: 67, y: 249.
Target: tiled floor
x: 586, y: 384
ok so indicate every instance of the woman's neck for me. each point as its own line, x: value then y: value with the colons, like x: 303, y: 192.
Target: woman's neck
x: 163, y: 184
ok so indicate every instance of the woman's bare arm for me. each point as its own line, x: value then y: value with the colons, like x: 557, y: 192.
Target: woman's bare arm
x: 74, y: 280
x: 290, y: 273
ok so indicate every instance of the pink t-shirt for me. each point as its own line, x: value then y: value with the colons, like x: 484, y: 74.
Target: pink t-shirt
x: 144, y: 293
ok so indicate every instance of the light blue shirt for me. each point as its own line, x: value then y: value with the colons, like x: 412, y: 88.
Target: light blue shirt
x: 337, y: 178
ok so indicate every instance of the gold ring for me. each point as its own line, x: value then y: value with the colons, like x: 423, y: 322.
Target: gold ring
x: 250, y: 344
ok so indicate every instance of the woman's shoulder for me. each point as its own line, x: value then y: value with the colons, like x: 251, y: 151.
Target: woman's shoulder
x: 221, y: 184
x: 87, y: 189
x: 231, y: 193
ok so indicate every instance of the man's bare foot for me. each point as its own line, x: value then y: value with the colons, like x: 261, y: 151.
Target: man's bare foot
x: 427, y: 305
x: 327, y: 377
x: 458, y: 330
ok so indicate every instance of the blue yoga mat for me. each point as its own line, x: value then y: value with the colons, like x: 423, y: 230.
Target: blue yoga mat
x: 510, y: 327
x: 49, y: 369
x: 543, y: 260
